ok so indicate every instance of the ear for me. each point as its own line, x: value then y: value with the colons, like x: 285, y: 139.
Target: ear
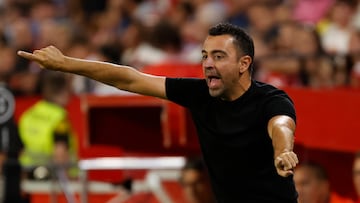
x: 244, y: 63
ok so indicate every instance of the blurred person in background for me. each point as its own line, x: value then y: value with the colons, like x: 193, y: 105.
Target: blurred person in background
x: 356, y: 175
x: 23, y: 79
x: 313, y: 186
x: 195, y: 29
x: 336, y: 29
x: 79, y: 48
x: 310, y: 12
x: 262, y: 21
x: 354, y: 62
x: 195, y: 182
x: 108, y: 53
x: 49, y: 141
x: 281, y: 66
x: 134, y: 37
x: 162, y: 45
x: 10, y: 142
x: 55, y: 33
x: 236, y: 12
x: 316, y: 67
x: 298, y: 59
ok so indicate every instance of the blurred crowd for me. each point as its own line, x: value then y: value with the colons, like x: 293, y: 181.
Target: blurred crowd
x: 298, y: 43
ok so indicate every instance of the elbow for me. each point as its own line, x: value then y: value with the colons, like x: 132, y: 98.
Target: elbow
x: 281, y: 125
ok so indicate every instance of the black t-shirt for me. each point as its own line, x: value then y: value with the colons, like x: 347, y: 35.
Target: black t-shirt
x: 234, y: 140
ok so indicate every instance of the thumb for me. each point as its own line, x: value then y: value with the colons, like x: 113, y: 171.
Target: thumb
x: 284, y: 173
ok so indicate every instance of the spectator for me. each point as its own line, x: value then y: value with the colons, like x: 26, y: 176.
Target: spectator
x: 336, y: 35
x: 195, y: 182
x: 10, y: 143
x: 313, y: 186
x: 311, y: 12
x: 45, y: 130
x: 281, y: 67
x: 354, y: 53
x: 356, y: 175
x: 262, y: 21
x: 316, y: 66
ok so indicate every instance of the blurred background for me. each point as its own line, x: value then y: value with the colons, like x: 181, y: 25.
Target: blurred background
x: 311, y: 49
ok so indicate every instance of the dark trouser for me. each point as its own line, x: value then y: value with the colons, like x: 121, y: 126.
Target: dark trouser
x: 12, y: 178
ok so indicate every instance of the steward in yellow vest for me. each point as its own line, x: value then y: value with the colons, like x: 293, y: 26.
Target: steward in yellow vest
x: 45, y: 129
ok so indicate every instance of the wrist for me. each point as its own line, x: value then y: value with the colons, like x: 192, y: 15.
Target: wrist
x: 279, y: 152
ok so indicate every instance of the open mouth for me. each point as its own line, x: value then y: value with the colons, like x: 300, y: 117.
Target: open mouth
x: 213, y: 81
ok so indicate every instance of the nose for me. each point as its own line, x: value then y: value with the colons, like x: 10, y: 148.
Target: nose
x: 208, y: 63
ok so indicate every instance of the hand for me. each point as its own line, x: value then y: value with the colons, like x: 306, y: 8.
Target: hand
x: 49, y: 57
x: 285, y: 163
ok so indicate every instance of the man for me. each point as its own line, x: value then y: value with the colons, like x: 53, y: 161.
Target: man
x: 10, y: 143
x: 246, y: 128
x: 10, y: 148
x: 312, y: 184
x: 195, y: 182
x: 45, y: 129
x: 356, y: 175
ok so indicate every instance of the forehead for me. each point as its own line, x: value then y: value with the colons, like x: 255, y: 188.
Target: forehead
x: 304, y: 172
x: 220, y: 42
x: 191, y: 175
x: 357, y: 163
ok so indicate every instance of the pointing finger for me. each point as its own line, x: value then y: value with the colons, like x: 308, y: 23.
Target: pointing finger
x: 27, y: 55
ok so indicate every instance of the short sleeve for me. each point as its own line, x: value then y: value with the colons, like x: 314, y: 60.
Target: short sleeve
x: 279, y: 105
x: 187, y: 92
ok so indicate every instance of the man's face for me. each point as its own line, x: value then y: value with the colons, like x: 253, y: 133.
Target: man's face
x: 196, y: 187
x: 356, y: 176
x: 309, y: 188
x: 221, y: 65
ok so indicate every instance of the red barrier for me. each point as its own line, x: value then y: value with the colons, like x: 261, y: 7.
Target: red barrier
x: 327, y: 127
x: 327, y: 119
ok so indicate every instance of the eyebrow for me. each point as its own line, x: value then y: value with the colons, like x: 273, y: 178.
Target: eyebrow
x: 214, y: 52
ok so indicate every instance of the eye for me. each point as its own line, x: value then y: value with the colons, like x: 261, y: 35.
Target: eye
x: 204, y: 57
x: 218, y: 56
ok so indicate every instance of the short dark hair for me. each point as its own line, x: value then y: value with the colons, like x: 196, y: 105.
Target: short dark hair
x: 242, y: 40
x: 318, y: 170
x: 52, y: 83
x: 357, y: 155
x: 194, y: 163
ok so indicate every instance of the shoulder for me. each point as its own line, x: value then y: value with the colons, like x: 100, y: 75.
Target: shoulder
x: 268, y: 91
x: 185, y: 84
x: 336, y: 198
x: 44, y: 110
x: 185, y: 81
x: 266, y: 88
x: 188, y: 92
x: 274, y: 101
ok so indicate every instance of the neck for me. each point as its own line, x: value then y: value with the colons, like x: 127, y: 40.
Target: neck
x: 242, y: 86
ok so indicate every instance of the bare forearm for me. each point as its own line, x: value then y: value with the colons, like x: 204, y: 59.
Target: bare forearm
x: 281, y: 130
x: 282, y: 140
x: 111, y: 74
x: 122, y: 77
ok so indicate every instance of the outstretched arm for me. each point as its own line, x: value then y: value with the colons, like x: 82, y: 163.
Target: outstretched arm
x: 121, y: 77
x: 281, y: 130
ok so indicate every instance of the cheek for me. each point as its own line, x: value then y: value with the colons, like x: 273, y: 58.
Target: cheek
x: 230, y: 72
x: 357, y: 180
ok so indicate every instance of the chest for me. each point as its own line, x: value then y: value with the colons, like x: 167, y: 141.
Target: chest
x: 226, y: 119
